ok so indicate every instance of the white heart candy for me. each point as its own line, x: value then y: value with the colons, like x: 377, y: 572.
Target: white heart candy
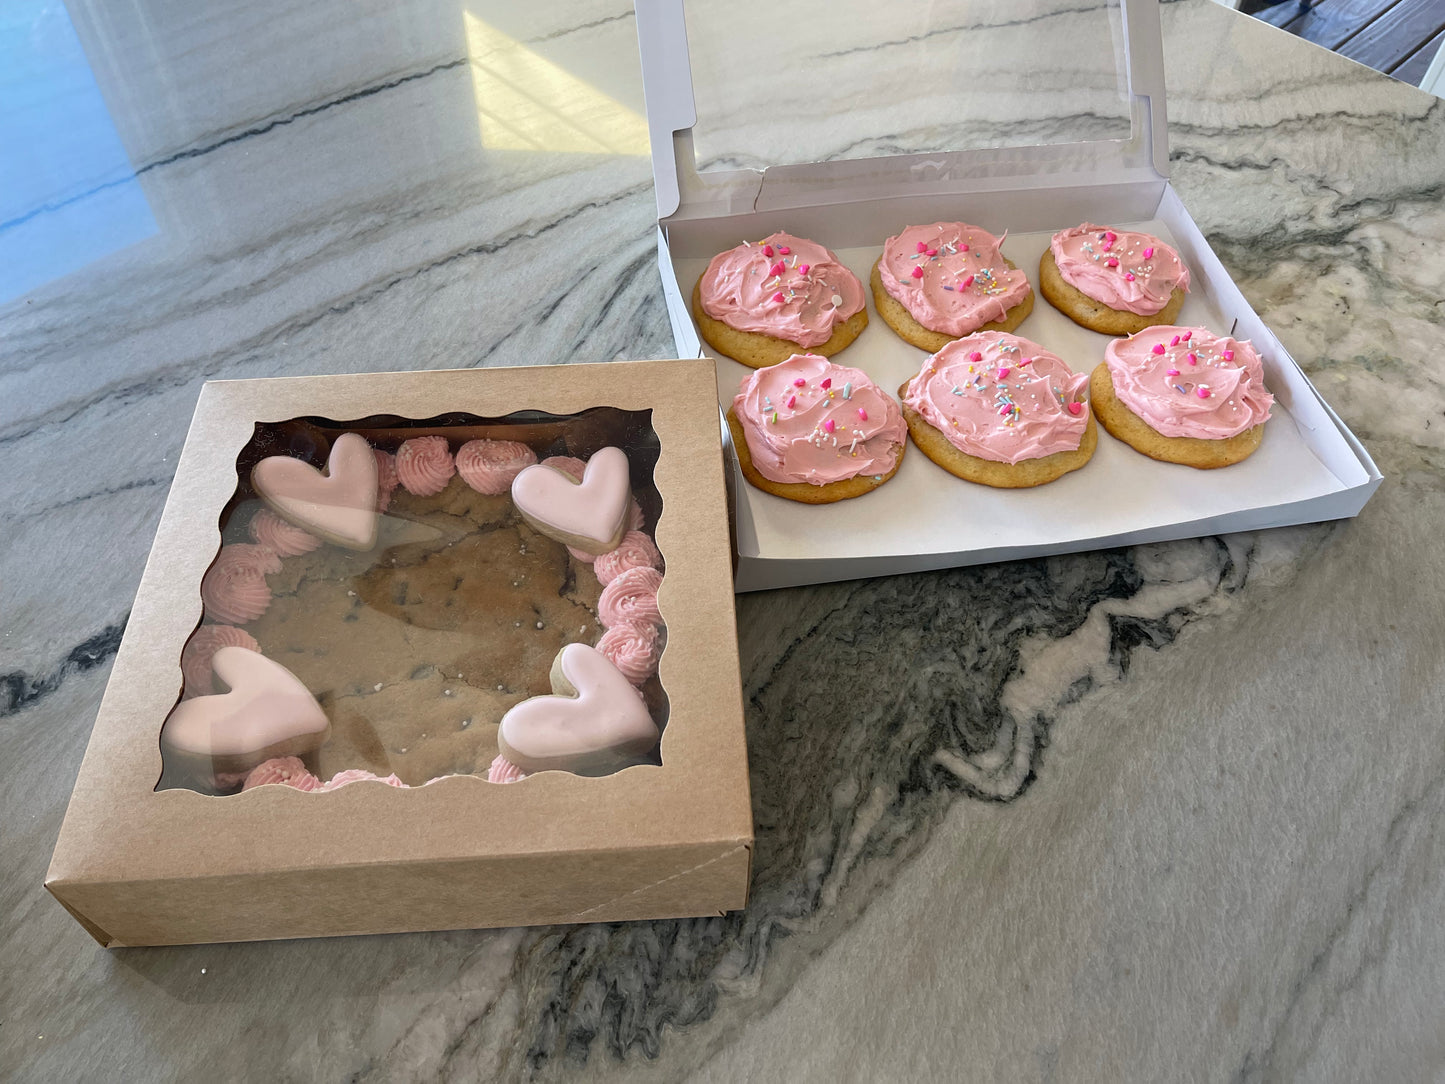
x: 597, y: 722
x: 267, y: 707
x: 591, y: 515
x: 339, y: 505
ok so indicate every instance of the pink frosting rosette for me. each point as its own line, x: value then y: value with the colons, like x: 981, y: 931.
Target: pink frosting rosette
x: 424, y: 465
x: 634, y: 551
x: 785, y: 287
x: 234, y: 588
x: 631, y: 597
x: 634, y: 647
x: 203, y: 644
x: 288, y: 540
x: 386, y: 480
x: 503, y: 770
x: 489, y: 466
x: 288, y: 771
x: 569, y: 465
x: 360, y: 775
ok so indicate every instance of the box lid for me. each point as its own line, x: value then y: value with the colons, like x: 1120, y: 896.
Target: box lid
x: 1084, y: 87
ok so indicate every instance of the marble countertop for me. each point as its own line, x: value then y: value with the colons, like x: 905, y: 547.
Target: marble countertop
x: 1162, y: 812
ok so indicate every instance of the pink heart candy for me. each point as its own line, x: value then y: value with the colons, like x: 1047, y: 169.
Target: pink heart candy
x: 267, y: 713
x: 595, y: 721
x: 591, y: 515
x: 339, y: 505
x: 1076, y: 408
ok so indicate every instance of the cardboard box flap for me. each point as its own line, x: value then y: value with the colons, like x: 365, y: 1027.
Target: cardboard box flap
x: 1102, y: 112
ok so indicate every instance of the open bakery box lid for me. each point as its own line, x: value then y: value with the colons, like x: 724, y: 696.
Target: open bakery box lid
x: 1030, y: 116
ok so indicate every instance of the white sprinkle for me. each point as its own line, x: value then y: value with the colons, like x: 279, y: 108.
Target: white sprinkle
x: 499, y: 688
x: 376, y: 688
x: 445, y: 692
x: 351, y: 594
x: 203, y: 971
x: 837, y: 300
x: 539, y: 624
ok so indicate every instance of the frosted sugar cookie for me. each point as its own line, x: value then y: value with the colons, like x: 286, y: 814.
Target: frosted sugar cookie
x: 1117, y: 282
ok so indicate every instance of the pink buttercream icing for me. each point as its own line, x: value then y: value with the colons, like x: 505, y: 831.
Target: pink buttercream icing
x: 234, y: 589
x: 783, y: 286
x: 360, y: 775
x: 489, y: 466
x: 567, y: 464
x: 634, y: 647
x: 631, y: 596
x: 634, y: 551
x: 503, y: 770
x: 386, y: 480
x: 1186, y: 382
x: 582, y: 555
x: 424, y: 465
x: 786, y: 410
x: 286, y: 539
x: 288, y: 771
x: 1127, y: 271
x: 1001, y: 397
x: 964, y: 281
x: 203, y: 644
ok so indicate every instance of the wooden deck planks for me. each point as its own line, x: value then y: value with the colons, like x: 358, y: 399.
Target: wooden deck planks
x: 1412, y: 69
x: 1397, y: 34
x: 1331, y: 23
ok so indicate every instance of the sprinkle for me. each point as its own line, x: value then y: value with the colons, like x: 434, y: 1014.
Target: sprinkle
x: 968, y: 282
x: 949, y: 289
x: 829, y: 425
x: 848, y: 390
x: 1129, y: 275
x: 777, y: 269
x: 955, y: 390
x: 1187, y: 334
x: 784, y: 249
x: 1110, y: 236
x: 768, y: 251
x: 827, y: 382
x: 1108, y: 245
x: 803, y: 270
x: 792, y: 402
x: 917, y: 272
x: 1111, y: 262
x: 1007, y: 408
x: 933, y: 252
x: 975, y: 356
x: 1149, y: 253
x: 1193, y: 360
x: 1202, y: 391
x: 799, y: 382
x: 1171, y: 372
x: 775, y: 417
x: 1158, y: 348
x: 1025, y: 361
x: 1228, y: 355
x: 779, y: 297
x: 1003, y: 372
x: 1174, y: 341
x: 862, y: 415
x: 922, y: 247
x: 1178, y: 389
x: 836, y: 299
x: 1075, y: 408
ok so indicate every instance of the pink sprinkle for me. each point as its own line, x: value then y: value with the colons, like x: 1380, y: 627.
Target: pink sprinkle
x: 777, y: 269
x: 1129, y: 275
x: 933, y: 252
x: 1228, y: 355
x: 1026, y: 361
x: 1187, y: 334
x: 1111, y: 262
x: 1108, y: 245
x: 1110, y: 236
x: 862, y: 415
x: 1193, y: 360
x: 1005, y: 408
x: 1158, y: 348
x: 968, y: 282
x: 1004, y: 371
x: 922, y: 247
x: 784, y: 249
x: 1171, y: 372
x: 1203, y: 393
x: 1174, y: 341
x: 768, y: 251
x: 827, y: 382
x: 829, y: 425
x: 803, y: 270
x: 792, y: 401
x: 1148, y: 253
x: 779, y: 296
x: 799, y: 382
x: 962, y: 248
x: 1075, y: 408
x: 917, y: 272
x: 975, y: 356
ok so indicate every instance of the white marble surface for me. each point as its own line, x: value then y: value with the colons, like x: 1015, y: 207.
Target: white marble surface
x: 1169, y: 812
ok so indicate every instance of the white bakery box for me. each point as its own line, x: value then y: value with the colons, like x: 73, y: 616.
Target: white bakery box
x: 764, y: 73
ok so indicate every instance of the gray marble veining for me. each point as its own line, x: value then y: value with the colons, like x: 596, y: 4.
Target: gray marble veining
x: 1173, y: 811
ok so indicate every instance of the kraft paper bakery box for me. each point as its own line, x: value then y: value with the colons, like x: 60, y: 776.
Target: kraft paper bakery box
x: 1019, y: 138
x: 462, y: 611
